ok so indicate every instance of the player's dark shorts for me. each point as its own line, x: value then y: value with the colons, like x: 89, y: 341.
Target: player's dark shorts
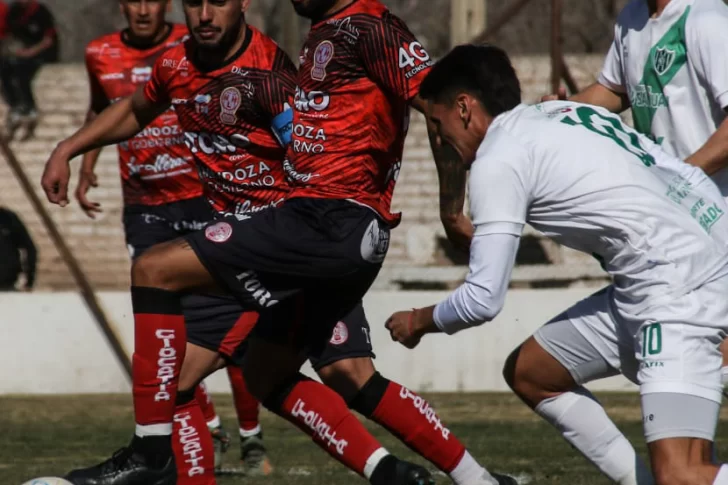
x: 218, y: 325
x: 303, y: 266
x: 148, y: 225
x: 211, y: 319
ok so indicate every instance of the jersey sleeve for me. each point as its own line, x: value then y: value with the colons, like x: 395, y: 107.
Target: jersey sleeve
x: 707, y: 39
x: 499, y: 191
x: 155, y: 90
x: 277, y: 95
x: 612, y: 74
x: 98, y: 99
x: 393, y: 57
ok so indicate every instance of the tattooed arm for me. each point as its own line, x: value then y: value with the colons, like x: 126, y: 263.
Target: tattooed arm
x: 452, y: 177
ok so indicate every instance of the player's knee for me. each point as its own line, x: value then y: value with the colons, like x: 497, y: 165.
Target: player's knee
x: 152, y: 270
x: 355, y: 372
x: 519, y: 374
x: 147, y: 270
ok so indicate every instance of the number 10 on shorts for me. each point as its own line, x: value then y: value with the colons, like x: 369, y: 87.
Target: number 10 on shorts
x: 651, y: 339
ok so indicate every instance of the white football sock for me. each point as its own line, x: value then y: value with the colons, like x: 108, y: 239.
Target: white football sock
x: 722, y: 477
x: 373, y: 461
x: 247, y: 433
x: 470, y: 472
x: 214, y: 422
x: 583, y: 422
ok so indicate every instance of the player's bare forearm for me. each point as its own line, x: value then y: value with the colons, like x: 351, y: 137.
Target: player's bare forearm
x: 118, y: 122
x: 452, y: 177
x: 91, y: 157
x: 600, y: 95
x: 713, y: 156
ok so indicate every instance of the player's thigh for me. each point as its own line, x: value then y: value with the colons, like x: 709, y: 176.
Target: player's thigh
x: 682, y: 460
x: 172, y: 266
x: 580, y: 345
x: 345, y: 363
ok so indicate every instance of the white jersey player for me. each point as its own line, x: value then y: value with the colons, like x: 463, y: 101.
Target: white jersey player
x: 668, y: 63
x: 585, y: 179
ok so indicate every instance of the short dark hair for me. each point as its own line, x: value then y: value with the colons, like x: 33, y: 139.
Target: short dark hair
x: 484, y: 71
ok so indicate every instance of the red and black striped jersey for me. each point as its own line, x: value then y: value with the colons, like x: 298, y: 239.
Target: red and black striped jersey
x: 360, y: 68
x: 156, y: 167
x: 231, y: 120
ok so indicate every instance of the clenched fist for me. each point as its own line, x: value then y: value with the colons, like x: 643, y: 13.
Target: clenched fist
x: 409, y: 327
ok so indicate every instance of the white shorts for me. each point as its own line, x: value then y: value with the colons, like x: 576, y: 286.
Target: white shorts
x: 670, y: 348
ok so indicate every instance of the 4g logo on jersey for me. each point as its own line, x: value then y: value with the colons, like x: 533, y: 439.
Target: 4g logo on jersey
x: 414, y: 58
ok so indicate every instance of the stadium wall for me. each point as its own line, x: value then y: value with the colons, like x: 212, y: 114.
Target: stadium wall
x: 51, y: 345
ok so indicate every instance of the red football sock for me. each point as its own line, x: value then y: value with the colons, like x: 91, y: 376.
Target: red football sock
x: 205, y: 400
x: 322, y: 414
x: 194, y: 452
x: 159, y: 349
x: 409, y: 417
x: 246, y: 405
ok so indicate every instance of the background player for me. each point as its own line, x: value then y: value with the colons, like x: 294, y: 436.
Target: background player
x: 162, y: 192
x: 662, y: 320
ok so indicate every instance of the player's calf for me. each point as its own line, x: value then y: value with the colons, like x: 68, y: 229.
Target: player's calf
x: 404, y: 414
x: 271, y: 372
x: 547, y: 386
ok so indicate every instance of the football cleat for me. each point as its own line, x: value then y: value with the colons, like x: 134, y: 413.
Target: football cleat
x: 254, y: 457
x: 221, y: 443
x: 125, y: 467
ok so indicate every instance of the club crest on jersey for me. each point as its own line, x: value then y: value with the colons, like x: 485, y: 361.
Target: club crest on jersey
x: 321, y: 58
x: 340, y: 334
x: 230, y: 101
x: 219, y: 233
x: 662, y: 60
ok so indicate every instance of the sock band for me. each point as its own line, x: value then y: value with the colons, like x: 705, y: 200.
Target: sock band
x: 370, y: 395
x: 155, y: 301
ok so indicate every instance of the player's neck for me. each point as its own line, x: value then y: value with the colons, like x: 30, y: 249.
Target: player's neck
x: 336, y: 7
x: 146, y: 42
x: 657, y: 6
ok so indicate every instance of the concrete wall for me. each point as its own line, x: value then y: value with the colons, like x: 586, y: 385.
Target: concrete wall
x: 50, y: 344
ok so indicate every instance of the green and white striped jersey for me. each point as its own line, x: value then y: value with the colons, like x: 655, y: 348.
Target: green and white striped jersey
x: 674, y: 68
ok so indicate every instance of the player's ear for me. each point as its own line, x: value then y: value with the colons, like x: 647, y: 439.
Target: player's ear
x: 168, y: 9
x: 463, y: 106
x: 244, y: 5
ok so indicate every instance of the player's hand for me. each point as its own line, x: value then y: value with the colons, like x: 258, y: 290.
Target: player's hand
x: 401, y: 329
x: 559, y: 96
x: 86, y: 180
x: 55, y: 177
